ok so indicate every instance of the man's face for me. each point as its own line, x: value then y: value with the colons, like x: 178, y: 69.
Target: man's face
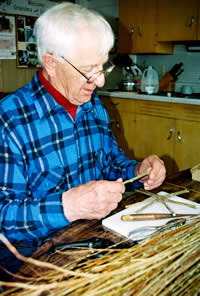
x: 70, y: 82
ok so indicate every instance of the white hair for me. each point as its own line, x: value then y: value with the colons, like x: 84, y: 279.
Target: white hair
x: 58, y: 28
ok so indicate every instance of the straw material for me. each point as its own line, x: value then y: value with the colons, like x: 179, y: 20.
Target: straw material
x: 167, y: 263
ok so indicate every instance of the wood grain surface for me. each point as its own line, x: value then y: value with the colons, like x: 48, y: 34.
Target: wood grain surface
x: 83, y: 230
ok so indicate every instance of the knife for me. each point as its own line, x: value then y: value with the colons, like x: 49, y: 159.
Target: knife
x: 178, y: 74
x: 153, y: 216
x: 175, y: 69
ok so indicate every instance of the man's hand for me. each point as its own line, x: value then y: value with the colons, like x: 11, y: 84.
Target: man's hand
x: 157, y: 173
x: 93, y: 200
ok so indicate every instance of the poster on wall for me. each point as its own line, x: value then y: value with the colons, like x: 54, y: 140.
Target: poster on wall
x: 7, y: 37
x: 25, y: 7
x: 26, y: 44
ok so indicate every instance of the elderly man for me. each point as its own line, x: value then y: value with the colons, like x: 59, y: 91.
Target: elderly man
x: 59, y: 160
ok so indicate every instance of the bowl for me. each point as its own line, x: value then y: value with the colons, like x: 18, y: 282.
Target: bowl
x: 186, y: 90
x: 128, y: 85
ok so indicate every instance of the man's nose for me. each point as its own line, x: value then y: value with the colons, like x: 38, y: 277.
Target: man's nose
x: 100, y: 80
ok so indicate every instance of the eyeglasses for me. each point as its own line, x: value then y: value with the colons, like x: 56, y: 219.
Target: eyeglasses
x: 109, y: 66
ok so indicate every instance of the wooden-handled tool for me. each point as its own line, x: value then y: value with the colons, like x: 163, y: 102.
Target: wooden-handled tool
x: 153, y: 216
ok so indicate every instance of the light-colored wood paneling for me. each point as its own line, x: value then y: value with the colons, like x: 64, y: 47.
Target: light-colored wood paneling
x: 155, y: 108
x: 178, y: 20
x: 11, y: 78
x: 138, y: 29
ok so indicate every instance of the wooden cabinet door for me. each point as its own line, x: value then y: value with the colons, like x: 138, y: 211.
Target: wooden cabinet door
x: 178, y: 20
x: 187, y: 149
x: 198, y: 20
x: 155, y: 135
x: 127, y: 128
x: 122, y: 115
x: 137, y: 28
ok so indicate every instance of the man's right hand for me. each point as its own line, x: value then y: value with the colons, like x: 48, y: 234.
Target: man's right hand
x: 93, y: 200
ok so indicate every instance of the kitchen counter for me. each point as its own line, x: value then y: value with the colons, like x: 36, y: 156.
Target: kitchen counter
x: 153, y: 97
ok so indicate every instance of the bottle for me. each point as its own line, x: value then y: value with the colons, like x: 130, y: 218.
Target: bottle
x: 150, y: 81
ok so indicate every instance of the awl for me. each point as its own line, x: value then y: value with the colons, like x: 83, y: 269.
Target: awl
x: 150, y: 216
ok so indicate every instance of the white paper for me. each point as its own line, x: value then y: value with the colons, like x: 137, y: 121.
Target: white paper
x: 115, y: 223
x: 7, y: 37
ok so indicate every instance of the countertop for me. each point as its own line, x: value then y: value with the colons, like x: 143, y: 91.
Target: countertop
x: 153, y: 97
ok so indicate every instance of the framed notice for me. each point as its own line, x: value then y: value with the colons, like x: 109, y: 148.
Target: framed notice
x: 7, y: 37
x: 27, y: 56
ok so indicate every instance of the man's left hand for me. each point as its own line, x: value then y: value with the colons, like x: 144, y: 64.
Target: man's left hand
x: 157, y: 173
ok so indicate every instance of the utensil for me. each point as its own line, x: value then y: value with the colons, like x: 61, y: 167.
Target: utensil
x: 153, y: 216
x: 178, y: 74
x: 175, y: 69
x: 156, y: 229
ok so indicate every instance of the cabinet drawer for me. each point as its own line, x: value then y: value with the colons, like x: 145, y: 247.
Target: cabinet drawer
x: 188, y: 112
x: 155, y: 108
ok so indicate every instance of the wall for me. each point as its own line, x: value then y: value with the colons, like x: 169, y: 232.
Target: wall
x: 12, y: 77
x: 163, y: 63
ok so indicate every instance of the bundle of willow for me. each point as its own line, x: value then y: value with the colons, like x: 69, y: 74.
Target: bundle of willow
x: 167, y: 263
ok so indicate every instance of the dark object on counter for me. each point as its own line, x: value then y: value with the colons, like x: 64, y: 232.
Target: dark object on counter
x: 94, y: 242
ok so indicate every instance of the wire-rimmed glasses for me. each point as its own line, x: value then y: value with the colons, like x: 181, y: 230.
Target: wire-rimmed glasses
x: 108, y: 67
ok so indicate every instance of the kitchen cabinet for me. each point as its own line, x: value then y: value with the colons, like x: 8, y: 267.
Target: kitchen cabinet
x: 178, y: 20
x: 153, y: 136
x: 138, y: 28
x: 187, y: 143
x: 155, y: 129
x: 122, y: 115
x: 169, y: 130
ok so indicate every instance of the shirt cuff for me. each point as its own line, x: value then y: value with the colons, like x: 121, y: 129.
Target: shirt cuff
x: 52, y: 212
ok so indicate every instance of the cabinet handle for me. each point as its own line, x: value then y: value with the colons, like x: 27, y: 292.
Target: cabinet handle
x: 131, y: 31
x: 171, y: 131
x: 114, y: 104
x: 179, y: 137
x: 118, y: 124
x: 191, y: 21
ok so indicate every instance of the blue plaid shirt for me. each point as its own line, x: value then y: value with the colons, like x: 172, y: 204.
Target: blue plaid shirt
x: 44, y: 152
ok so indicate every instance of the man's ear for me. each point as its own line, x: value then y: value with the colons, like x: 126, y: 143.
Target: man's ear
x: 49, y: 62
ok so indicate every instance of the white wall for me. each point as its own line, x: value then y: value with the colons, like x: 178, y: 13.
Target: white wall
x: 163, y: 63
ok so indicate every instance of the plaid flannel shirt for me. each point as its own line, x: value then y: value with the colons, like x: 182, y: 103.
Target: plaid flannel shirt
x: 44, y: 152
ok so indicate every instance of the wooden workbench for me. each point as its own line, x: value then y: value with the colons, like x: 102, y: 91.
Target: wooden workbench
x: 82, y: 230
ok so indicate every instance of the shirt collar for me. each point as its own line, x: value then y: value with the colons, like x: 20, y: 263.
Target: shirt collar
x: 45, y: 103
